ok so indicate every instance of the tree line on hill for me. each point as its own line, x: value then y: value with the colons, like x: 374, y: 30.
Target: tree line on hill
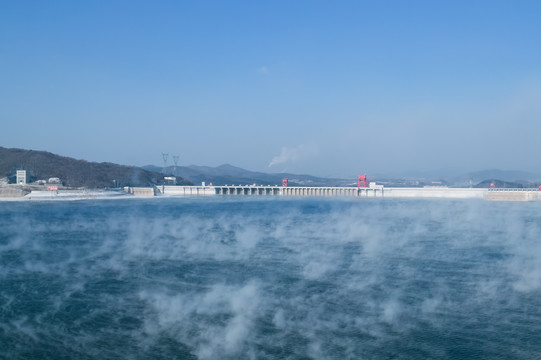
x: 42, y: 165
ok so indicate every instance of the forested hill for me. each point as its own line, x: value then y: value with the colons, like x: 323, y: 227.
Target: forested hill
x: 75, y: 173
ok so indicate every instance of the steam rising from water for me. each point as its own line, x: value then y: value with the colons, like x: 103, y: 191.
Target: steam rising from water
x: 252, y: 278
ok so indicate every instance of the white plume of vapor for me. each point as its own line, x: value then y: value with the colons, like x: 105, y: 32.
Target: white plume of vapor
x: 291, y: 154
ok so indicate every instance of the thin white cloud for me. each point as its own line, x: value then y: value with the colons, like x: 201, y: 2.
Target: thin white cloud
x: 263, y: 70
x: 292, y: 154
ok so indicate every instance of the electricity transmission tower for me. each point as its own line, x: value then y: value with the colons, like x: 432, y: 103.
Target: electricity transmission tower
x: 164, y: 156
x: 175, y: 160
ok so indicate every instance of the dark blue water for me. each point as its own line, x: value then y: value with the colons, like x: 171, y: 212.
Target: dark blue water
x: 270, y: 279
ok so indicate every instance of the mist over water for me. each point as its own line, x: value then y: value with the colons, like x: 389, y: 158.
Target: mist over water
x: 253, y: 278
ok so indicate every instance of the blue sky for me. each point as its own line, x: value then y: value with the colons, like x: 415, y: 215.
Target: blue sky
x: 331, y: 88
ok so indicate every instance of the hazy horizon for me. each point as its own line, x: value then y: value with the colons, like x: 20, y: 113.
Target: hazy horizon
x: 320, y: 88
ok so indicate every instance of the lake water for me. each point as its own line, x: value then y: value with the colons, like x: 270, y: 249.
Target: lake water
x: 256, y: 278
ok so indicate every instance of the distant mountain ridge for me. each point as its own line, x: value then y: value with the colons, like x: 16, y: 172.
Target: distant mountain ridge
x: 81, y: 173
x: 228, y: 175
x: 504, y: 175
x: 75, y: 173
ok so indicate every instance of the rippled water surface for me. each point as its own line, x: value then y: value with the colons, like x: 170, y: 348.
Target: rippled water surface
x: 230, y: 278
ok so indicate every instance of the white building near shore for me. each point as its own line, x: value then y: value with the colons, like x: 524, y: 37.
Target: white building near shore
x: 21, y: 177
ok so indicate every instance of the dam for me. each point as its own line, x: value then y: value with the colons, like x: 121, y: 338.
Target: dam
x: 260, y: 190
x: 371, y: 191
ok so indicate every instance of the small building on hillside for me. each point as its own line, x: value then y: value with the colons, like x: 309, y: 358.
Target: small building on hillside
x: 21, y: 177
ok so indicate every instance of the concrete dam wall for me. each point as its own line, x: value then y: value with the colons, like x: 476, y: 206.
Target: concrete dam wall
x: 376, y: 191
